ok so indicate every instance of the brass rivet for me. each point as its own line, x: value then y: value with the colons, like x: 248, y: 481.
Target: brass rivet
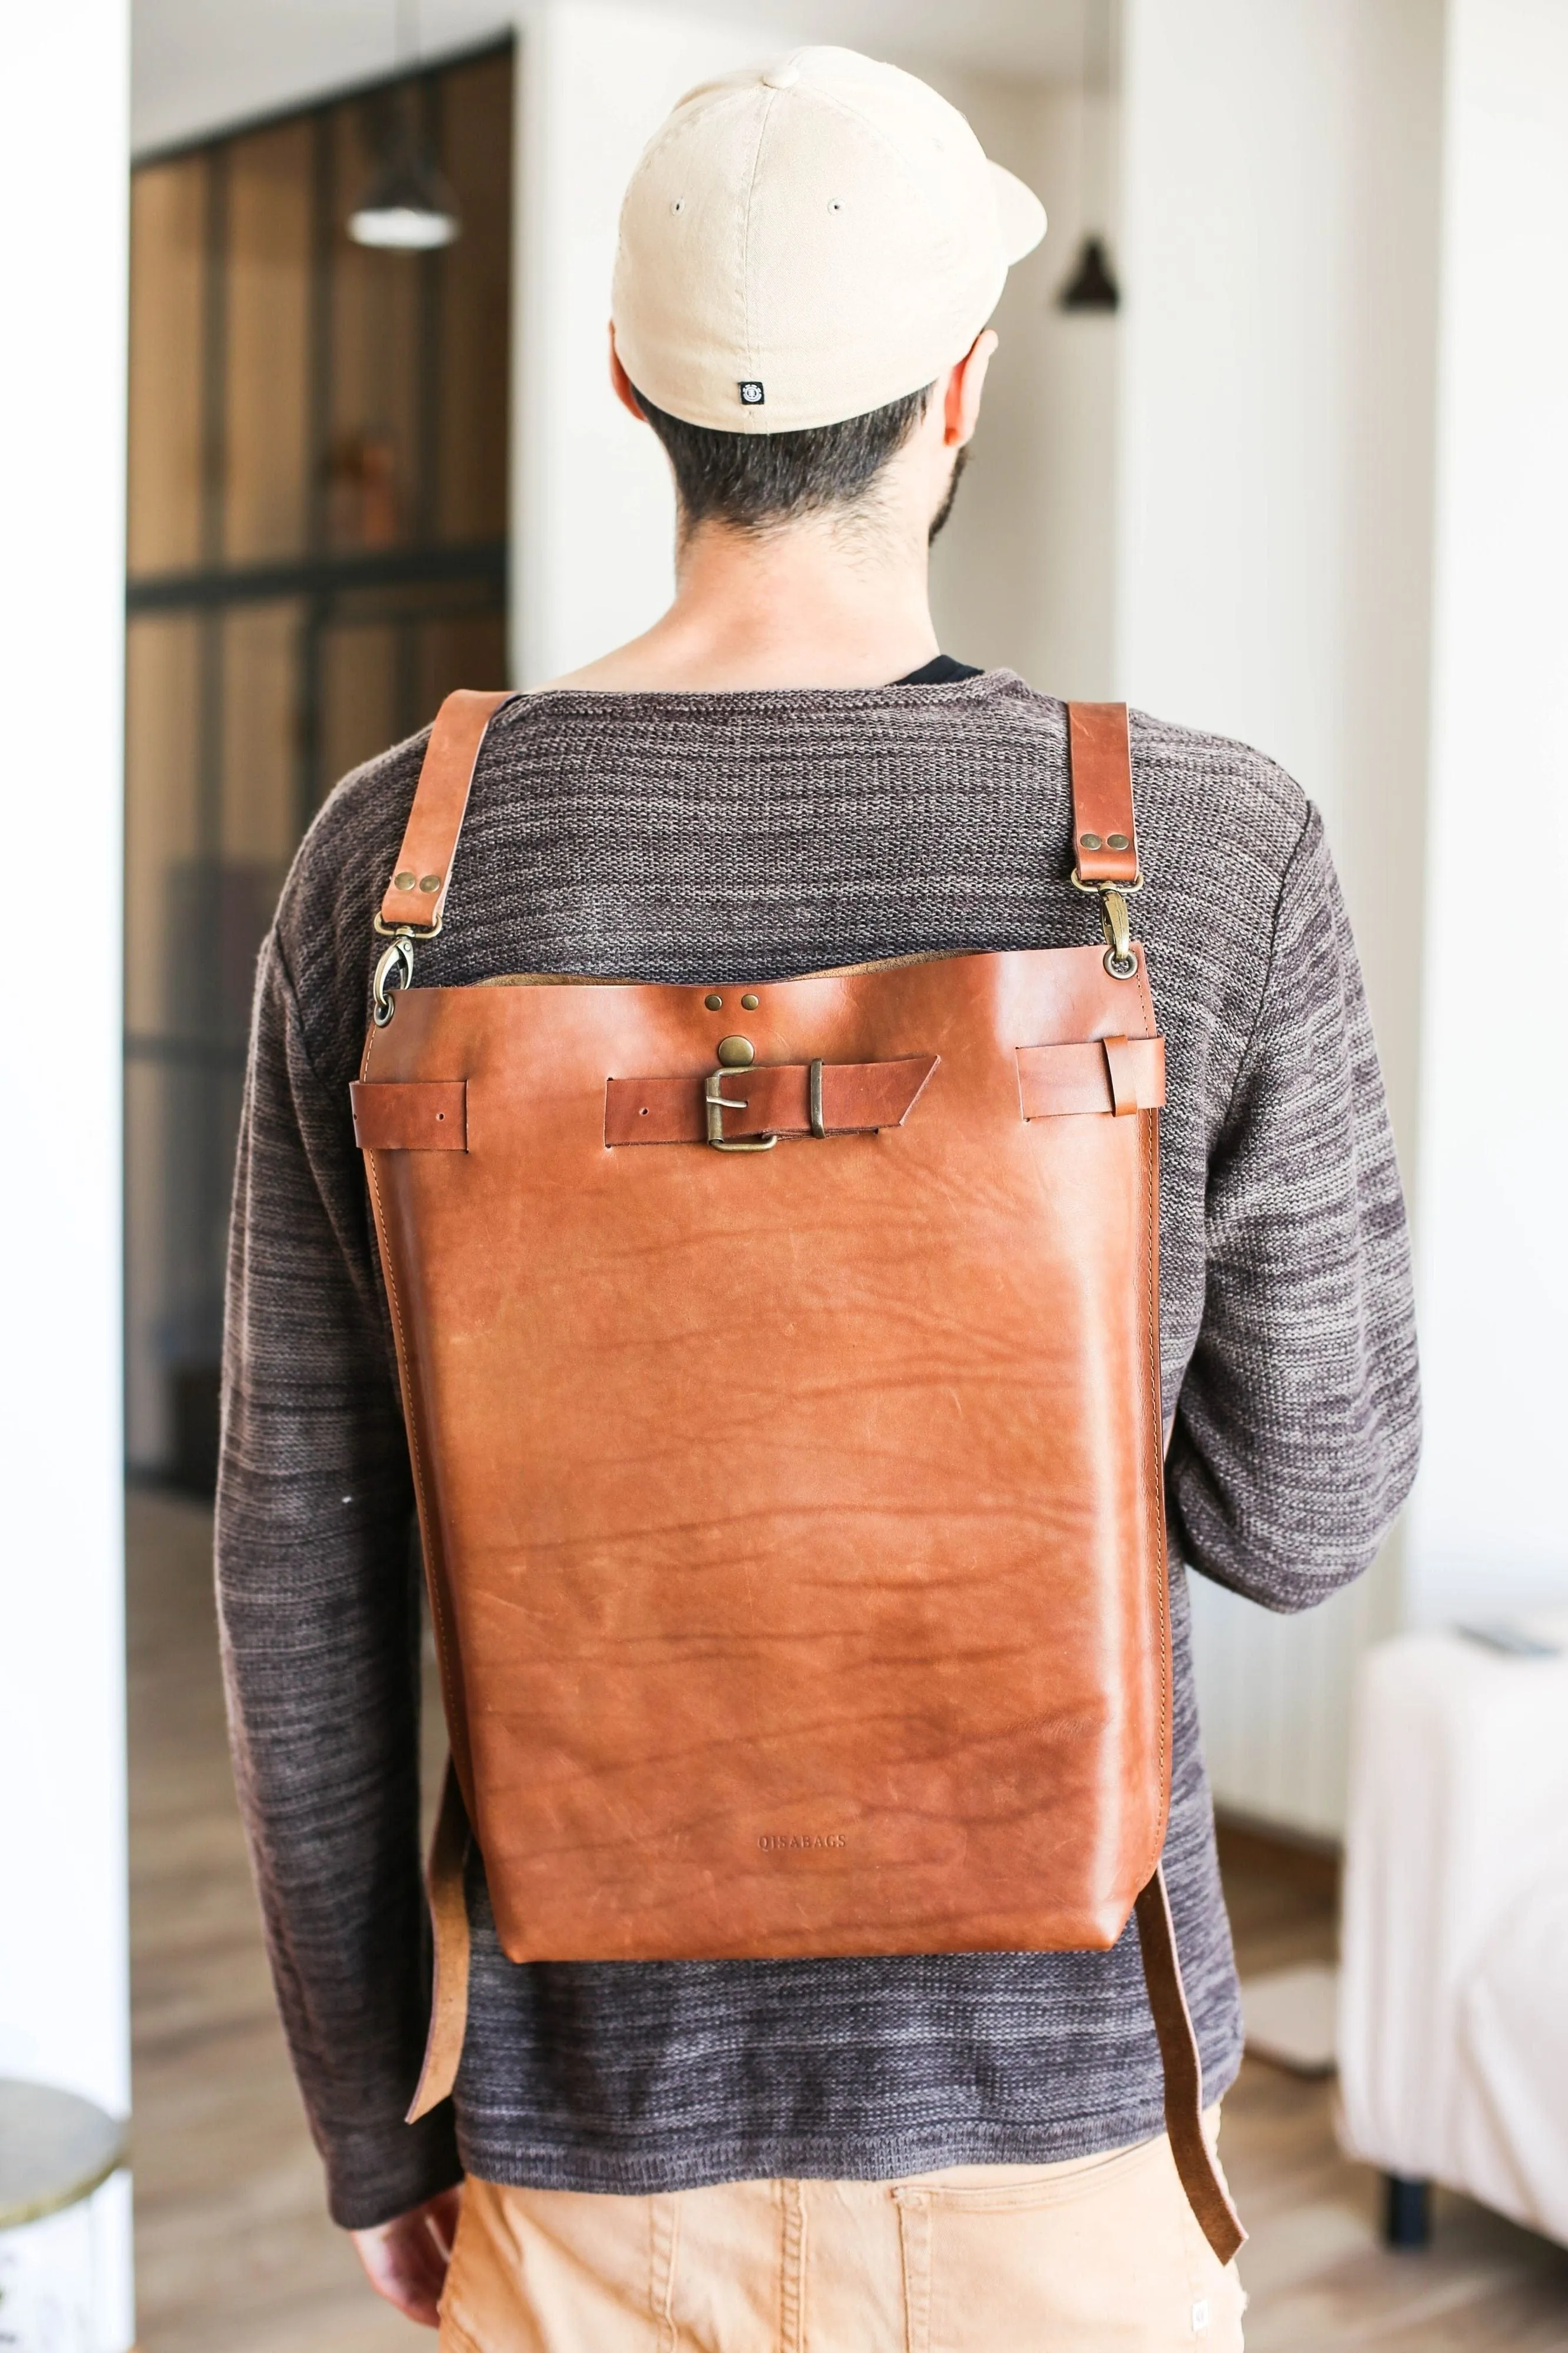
x: 1116, y: 841
x: 430, y: 882
x: 750, y: 1001
x: 714, y: 1002
x: 1089, y: 841
x: 403, y: 881
x: 734, y: 1053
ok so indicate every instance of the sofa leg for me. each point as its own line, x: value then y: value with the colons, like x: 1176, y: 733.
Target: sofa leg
x: 1407, y: 2211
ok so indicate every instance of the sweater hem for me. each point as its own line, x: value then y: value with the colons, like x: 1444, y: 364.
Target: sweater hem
x: 697, y: 2157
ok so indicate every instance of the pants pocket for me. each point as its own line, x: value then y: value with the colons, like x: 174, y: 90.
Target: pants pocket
x: 1095, y: 2259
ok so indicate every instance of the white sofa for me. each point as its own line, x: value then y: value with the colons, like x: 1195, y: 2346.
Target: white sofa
x: 1453, y: 2030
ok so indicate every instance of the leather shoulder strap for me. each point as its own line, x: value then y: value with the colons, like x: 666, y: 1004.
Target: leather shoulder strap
x: 1197, y: 2167
x: 1105, y: 839
x: 416, y: 893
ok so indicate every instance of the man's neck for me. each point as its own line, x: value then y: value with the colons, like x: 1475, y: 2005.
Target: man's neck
x: 817, y: 603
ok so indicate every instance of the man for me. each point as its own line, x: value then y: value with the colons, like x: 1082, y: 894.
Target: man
x: 785, y: 774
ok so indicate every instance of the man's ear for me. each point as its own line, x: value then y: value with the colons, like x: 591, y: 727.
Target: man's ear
x: 960, y: 403
x: 624, y: 391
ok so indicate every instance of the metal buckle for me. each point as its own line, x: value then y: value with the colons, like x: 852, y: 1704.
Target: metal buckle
x: 716, y: 1105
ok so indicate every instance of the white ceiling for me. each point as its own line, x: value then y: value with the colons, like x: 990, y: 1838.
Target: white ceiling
x: 198, y: 65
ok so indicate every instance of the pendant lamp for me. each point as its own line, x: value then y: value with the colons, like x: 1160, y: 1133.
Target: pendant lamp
x: 408, y: 207
x: 1091, y: 283
x: 1092, y: 286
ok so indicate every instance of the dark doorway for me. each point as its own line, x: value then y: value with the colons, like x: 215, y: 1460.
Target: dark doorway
x: 318, y: 521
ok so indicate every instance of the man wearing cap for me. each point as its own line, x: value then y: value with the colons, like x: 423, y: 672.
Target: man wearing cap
x: 787, y: 774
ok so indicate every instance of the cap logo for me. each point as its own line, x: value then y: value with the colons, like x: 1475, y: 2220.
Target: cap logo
x: 751, y: 392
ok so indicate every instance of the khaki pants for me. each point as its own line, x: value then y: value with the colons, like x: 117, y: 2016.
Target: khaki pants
x: 1097, y: 2255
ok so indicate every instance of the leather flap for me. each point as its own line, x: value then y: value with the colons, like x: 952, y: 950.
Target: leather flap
x: 411, y: 1115
x: 1102, y: 1074
x: 774, y: 1099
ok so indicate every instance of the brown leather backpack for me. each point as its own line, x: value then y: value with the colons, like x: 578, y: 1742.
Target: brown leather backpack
x: 781, y: 1368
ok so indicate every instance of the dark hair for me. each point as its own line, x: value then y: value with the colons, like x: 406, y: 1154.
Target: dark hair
x: 752, y: 480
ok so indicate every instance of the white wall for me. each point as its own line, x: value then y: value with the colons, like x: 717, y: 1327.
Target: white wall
x: 593, y: 523
x: 1490, y: 1521
x: 63, y: 1997
x: 1024, y: 575
x: 1280, y: 183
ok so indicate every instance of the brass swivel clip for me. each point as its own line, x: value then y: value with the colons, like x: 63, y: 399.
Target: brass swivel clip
x: 1120, y: 961
x: 394, y: 970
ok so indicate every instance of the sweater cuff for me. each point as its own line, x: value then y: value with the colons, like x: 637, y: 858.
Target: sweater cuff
x: 374, y: 2177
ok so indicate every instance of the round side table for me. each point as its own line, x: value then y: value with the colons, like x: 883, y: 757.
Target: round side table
x: 56, y: 2150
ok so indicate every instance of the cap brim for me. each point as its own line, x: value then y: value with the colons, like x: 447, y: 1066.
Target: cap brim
x: 1019, y: 212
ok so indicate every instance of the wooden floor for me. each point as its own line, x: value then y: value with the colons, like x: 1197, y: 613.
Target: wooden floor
x: 234, y: 2250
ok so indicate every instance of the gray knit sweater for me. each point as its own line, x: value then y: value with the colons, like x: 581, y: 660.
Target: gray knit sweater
x: 741, y: 837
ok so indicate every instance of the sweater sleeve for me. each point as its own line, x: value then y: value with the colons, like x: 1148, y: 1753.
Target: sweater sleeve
x: 1298, y: 1425
x: 318, y: 1609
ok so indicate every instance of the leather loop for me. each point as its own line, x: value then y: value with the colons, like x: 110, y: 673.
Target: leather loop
x: 449, y: 1923
x: 1121, y: 1063
x: 416, y: 891
x: 855, y: 1099
x: 1099, y: 758
x: 1199, y: 2176
x: 410, y: 1114
x: 1107, y: 1075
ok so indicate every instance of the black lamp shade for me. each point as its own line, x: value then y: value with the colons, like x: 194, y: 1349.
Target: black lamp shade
x: 1092, y: 286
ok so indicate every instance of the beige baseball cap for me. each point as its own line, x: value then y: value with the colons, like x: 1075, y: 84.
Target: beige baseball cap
x: 807, y: 240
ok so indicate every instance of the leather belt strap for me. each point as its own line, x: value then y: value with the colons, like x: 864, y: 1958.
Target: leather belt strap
x: 416, y: 893
x: 1105, y: 839
x: 771, y: 1099
x: 449, y: 1920
x: 1196, y: 2166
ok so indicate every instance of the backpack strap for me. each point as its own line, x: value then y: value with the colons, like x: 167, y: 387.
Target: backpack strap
x: 1104, y: 833
x: 416, y: 896
x: 449, y: 1846
x: 1196, y: 2166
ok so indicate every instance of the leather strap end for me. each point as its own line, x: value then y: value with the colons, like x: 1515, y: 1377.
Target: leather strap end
x: 1121, y: 1075
x: 410, y: 1114
x: 449, y: 1921
x: 1196, y: 2166
x: 1123, y: 1068
x: 1100, y: 754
